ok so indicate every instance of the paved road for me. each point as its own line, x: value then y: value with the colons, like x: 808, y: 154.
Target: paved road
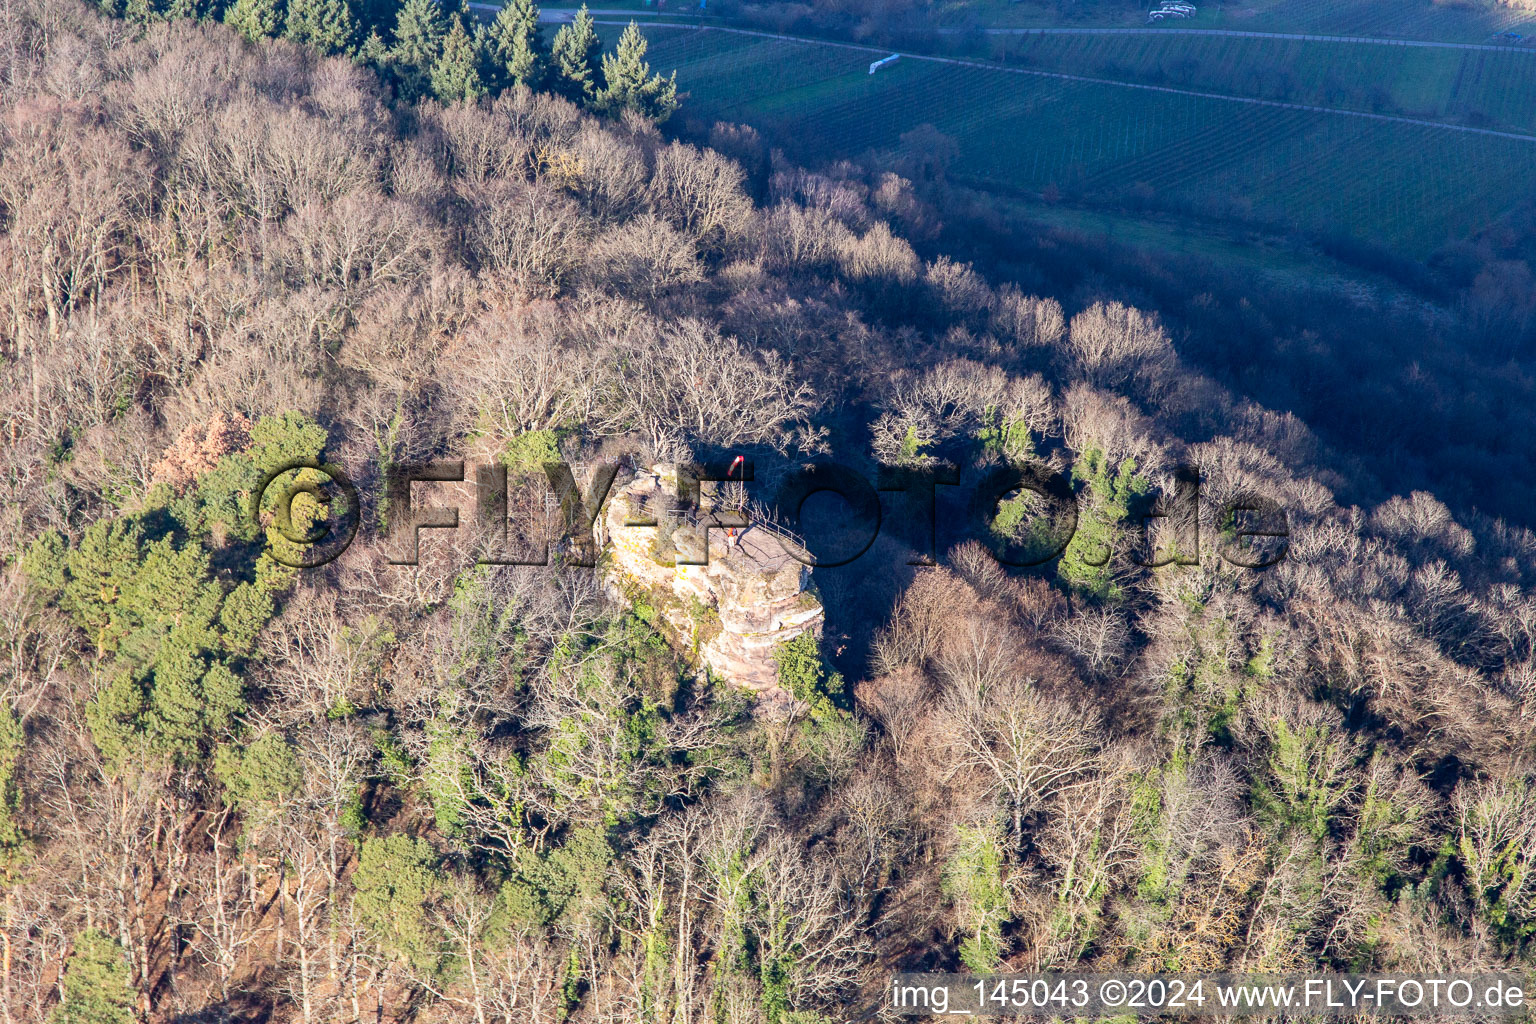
x: 561, y: 14
x: 1300, y: 36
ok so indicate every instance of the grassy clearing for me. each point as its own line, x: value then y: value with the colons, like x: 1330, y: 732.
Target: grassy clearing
x: 1408, y: 187
x: 1275, y: 259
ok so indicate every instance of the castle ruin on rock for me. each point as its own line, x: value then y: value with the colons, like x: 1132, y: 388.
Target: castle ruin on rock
x: 753, y: 594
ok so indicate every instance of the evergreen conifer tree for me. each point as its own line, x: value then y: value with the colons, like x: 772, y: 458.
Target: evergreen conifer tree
x: 375, y: 52
x: 456, y: 73
x: 629, y: 84
x: 515, y: 45
x: 186, y: 9
x: 329, y: 26
x: 12, y: 742
x: 419, y: 35
x: 375, y: 15
x: 573, y: 59
x: 142, y: 12
x: 255, y: 19
x: 395, y: 881
x: 96, y: 987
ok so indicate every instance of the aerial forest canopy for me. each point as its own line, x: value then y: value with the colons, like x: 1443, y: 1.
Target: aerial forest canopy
x: 234, y: 790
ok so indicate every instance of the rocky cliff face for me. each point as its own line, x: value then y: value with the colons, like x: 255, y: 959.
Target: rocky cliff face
x: 752, y: 595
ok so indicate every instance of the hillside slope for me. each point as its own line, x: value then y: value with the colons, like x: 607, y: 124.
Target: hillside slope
x: 236, y: 790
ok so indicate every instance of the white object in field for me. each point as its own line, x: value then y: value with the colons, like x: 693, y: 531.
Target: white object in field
x: 883, y: 61
x: 1172, y: 9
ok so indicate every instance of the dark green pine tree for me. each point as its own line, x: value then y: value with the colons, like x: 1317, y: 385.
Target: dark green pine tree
x: 516, y: 48
x: 376, y: 15
x: 573, y: 59
x: 395, y: 881
x: 12, y: 744
x: 255, y: 19
x: 329, y: 26
x: 456, y: 74
x: 375, y: 53
x: 198, y: 9
x: 629, y: 84
x: 98, y: 572
x: 142, y: 12
x: 96, y: 986
x: 419, y: 35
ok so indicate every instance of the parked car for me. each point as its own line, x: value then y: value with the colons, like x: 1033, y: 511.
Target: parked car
x: 1171, y: 9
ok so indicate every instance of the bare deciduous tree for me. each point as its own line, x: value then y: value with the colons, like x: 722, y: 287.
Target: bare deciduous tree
x: 1113, y: 342
x: 700, y: 192
x: 687, y: 375
x: 1027, y: 747
x: 1028, y: 321
x: 643, y: 256
x: 529, y: 231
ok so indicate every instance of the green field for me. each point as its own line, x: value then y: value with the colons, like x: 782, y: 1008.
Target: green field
x: 1476, y: 87
x: 1409, y: 187
x: 1465, y: 21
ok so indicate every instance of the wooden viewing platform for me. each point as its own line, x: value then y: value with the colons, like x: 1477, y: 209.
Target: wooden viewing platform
x: 761, y: 546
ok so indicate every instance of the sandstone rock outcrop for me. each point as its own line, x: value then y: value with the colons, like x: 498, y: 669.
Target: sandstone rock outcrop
x: 753, y: 594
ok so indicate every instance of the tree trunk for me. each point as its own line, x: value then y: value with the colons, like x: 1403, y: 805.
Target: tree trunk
x: 5, y: 959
